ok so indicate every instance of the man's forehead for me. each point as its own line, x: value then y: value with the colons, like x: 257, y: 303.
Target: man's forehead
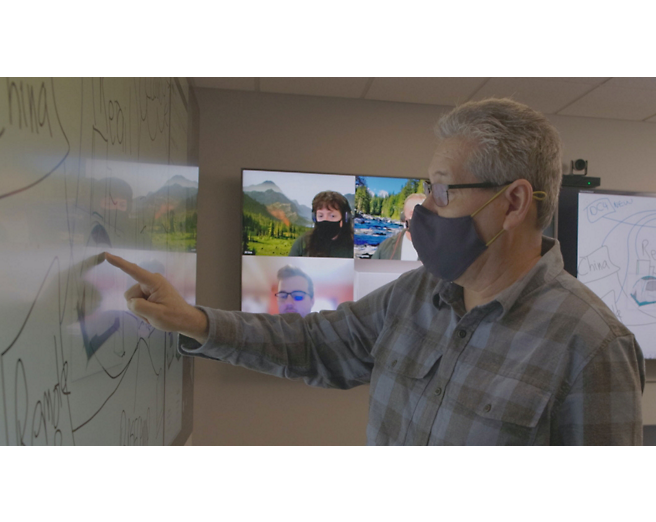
x: 297, y: 282
x: 448, y: 162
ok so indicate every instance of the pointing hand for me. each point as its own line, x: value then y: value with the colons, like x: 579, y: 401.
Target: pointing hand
x: 157, y: 302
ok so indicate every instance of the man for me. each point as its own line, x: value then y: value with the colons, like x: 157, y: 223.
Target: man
x: 295, y: 291
x: 490, y: 342
x: 399, y: 246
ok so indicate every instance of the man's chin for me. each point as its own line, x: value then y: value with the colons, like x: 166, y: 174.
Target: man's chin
x: 290, y: 311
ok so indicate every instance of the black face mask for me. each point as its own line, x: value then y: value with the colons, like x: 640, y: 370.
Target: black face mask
x: 448, y: 246
x: 445, y: 246
x: 326, y: 230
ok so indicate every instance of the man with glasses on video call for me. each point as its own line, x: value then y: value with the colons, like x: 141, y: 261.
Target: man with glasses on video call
x: 490, y: 342
x: 295, y: 293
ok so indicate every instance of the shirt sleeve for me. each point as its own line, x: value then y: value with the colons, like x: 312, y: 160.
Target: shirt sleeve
x: 330, y: 349
x: 604, y: 404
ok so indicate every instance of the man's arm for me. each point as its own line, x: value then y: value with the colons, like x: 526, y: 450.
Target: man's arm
x: 329, y: 349
x: 604, y: 404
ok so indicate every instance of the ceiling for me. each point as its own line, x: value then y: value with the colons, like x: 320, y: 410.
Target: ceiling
x: 632, y: 99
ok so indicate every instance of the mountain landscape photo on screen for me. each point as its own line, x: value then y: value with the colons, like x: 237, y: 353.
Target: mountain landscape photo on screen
x: 277, y: 207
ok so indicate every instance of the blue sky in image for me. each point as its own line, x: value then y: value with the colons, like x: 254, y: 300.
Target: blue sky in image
x: 389, y: 185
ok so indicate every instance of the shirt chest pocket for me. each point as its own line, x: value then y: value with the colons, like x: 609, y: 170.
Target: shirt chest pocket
x: 501, y: 410
x: 405, y: 359
x: 407, y: 351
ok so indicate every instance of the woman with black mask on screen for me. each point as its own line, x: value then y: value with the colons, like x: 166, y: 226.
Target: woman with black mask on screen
x: 332, y: 235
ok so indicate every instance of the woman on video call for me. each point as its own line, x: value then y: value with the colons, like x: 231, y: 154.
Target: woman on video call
x: 332, y: 235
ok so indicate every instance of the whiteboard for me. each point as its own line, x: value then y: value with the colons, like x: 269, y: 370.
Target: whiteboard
x: 87, y: 166
x: 617, y: 258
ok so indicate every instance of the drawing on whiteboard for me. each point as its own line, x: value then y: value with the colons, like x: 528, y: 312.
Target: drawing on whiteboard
x: 29, y: 105
x: 91, y: 165
x: 617, y: 258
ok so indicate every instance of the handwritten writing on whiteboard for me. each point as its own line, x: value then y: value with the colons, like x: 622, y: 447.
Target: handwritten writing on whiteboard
x: 33, y: 142
x: 87, y: 168
x: 595, y: 266
x: 598, y: 209
x: 617, y: 258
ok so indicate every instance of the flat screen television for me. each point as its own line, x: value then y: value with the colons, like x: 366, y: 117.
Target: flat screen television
x: 608, y: 239
x: 367, y: 245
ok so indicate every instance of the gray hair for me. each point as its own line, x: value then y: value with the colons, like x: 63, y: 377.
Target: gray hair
x: 510, y: 141
x: 288, y: 271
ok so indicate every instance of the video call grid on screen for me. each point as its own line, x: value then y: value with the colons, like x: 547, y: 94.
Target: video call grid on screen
x: 616, y: 257
x: 277, y: 220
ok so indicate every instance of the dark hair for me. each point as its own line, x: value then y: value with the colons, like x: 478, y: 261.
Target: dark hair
x: 288, y: 271
x: 334, y: 200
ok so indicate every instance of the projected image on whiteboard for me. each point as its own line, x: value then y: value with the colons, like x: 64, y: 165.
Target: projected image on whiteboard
x: 617, y: 258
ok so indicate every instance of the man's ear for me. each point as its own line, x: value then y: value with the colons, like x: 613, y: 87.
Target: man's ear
x: 519, y: 196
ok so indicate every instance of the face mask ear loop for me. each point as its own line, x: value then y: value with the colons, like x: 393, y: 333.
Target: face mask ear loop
x: 538, y: 195
x: 491, y: 200
x: 495, y: 238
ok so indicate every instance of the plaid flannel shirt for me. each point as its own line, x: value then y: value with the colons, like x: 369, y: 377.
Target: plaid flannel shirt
x: 545, y: 362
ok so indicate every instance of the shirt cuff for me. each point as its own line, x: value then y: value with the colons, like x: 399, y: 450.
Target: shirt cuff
x: 222, y: 338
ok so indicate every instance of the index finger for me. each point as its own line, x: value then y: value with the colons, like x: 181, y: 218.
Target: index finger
x: 136, y: 272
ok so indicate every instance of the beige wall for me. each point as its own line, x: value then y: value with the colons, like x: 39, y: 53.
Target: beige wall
x: 302, y: 133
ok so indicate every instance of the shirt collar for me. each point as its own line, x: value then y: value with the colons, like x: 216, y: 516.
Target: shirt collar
x: 545, y: 270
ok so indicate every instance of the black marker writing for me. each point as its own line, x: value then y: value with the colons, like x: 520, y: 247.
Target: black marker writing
x: 134, y: 432
x: 32, y: 115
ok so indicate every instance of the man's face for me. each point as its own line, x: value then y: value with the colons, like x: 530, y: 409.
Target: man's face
x: 448, y: 167
x: 289, y: 304
x: 409, y: 210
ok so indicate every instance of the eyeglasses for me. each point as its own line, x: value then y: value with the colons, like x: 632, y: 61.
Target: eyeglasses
x: 297, y: 295
x: 440, y: 191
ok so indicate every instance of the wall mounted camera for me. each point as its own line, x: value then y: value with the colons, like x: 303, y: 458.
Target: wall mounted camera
x: 580, y: 165
x: 579, y: 178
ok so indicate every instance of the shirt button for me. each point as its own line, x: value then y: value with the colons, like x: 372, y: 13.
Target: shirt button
x: 438, y: 391
x: 462, y: 334
x: 487, y: 408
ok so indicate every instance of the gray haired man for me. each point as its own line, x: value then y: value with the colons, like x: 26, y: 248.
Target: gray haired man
x: 490, y: 342
x: 400, y: 246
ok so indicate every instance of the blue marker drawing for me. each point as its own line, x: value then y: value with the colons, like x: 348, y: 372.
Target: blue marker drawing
x: 617, y: 259
x: 598, y: 209
x: 644, y: 291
